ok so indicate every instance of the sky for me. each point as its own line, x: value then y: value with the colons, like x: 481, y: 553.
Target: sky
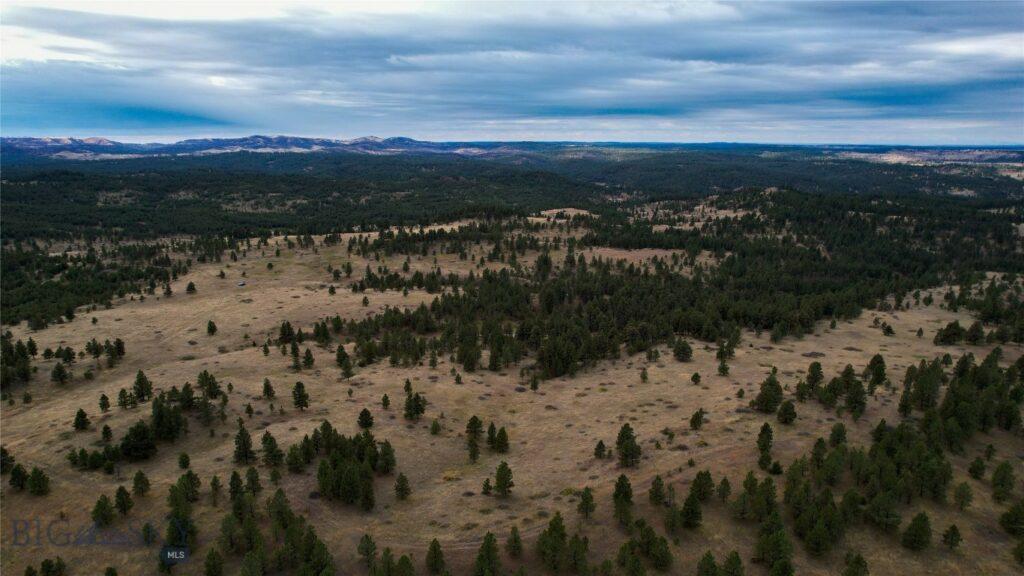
x: 774, y: 72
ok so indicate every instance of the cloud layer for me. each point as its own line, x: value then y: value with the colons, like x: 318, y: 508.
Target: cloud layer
x: 859, y: 72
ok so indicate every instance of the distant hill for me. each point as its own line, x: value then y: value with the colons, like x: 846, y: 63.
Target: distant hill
x: 105, y: 149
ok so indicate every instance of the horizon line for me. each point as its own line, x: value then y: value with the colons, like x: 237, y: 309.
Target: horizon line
x: 541, y: 141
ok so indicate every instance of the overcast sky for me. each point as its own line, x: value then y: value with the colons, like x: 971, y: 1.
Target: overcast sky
x: 832, y: 72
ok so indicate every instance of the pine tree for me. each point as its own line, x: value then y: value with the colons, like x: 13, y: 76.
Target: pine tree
x: 435, y: 558
x: 38, y: 482
x: 627, y: 447
x: 707, y: 565
x: 856, y: 565
x: 1003, y: 480
x: 104, y: 403
x: 140, y: 484
x: 951, y: 537
x: 474, y: 427
x: 211, y: 328
x: 770, y: 395
x: 656, y: 495
x: 586, y: 505
x: 268, y: 389
x: 963, y: 495
x: 787, y: 412
x: 503, y: 480
x: 214, y: 563
x: 81, y: 420
x: 142, y: 388
x: 501, y: 441
x: 1013, y: 520
x: 682, y: 350
x: 215, y: 488
x: 623, y: 499
x: 514, y: 543
x: 252, y: 481
x: 103, y: 512
x: 273, y: 456
x: 552, y: 544
x: 60, y: 374
x: 299, y: 396
x: 19, y: 477
x: 724, y: 490
x: 404, y: 566
x: 243, y: 446
x: 368, y: 550
x: 599, y: 450
x: 697, y: 420
x: 856, y: 399
x: 918, y: 535
x: 488, y: 560
x: 307, y: 359
x: 365, y: 419
x: 733, y: 565
x: 123, y: 500
x: 691, y: 514
x: 402, y: 489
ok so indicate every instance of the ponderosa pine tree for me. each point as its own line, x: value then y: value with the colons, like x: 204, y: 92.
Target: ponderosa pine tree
x: 60, y: 374
x: 435, y: 558
x: 656, y: 494
x: 1003, y: 480
x: 552, y: 544
x: 365, y: 420
x: 488, y: 559
x: 586, y: 505
x: 733, y: 565
x: 402, y: 489
x: 707, y: 565
x: 918, y: 534
x: 697, y: 420
x: 691, y: 513
x: 140, y: 484
x: 770, y: 395
x: 503, y: 480
x: 501, y: 441
x: 81, y: 420
x: 951, y: 537
x: 627, y: 447
x: 300, y: 398
x: 367, y: 549
x: 856, y: 565
x: 787, y: 412
x: 682, y: 350
x: 243, y: 446
x: 19, y: 477
x: 1013, y: 520
x: 963, y: 495
x: 514, y: 543
x: 103, y: 512
x: 623, y: 499
x: 123, y: 500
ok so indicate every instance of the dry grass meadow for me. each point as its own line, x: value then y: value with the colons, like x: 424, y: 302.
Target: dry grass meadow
x: 552, y: 431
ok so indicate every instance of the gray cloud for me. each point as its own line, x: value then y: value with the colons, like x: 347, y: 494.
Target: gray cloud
x: 802, y: 72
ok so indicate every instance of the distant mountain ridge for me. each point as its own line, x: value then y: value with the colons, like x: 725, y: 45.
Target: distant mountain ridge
x: 102, y: 148
x: 98, y: 148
